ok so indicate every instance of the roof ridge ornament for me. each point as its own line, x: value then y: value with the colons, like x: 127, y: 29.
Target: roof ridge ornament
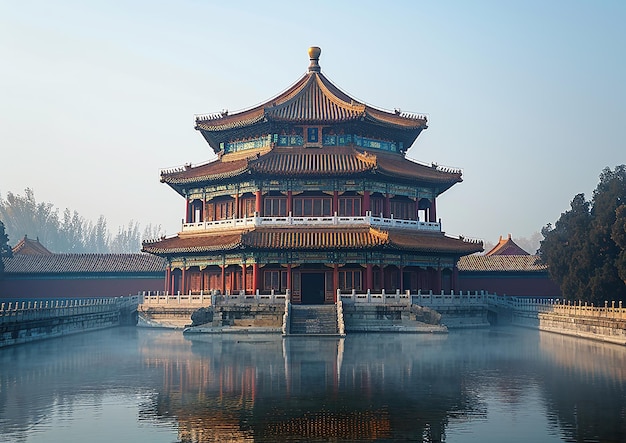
x: 314, y: 56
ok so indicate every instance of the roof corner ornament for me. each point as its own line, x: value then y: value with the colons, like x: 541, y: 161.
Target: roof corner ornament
x: 314, y: 56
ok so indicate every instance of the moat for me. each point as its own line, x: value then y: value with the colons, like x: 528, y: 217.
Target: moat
x: 151, y: 385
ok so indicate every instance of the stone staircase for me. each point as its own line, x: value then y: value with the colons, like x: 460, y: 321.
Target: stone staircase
x: 314, y: 320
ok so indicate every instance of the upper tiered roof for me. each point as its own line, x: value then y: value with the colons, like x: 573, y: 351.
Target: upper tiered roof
x: 312, y: 100
x: 312, y: 129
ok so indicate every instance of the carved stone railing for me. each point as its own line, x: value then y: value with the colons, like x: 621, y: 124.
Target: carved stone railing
x: 341, y: 326
x: 241, y: 297
x: 336, y: 220
x: 35, y: 310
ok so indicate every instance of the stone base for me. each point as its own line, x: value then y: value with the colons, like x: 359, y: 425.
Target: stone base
x: 612, y: 331
x: 33, y: 330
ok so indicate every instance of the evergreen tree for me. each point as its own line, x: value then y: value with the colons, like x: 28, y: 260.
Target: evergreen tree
x: 618, y: 234
x: 585, y: 249
x: 5, y: 249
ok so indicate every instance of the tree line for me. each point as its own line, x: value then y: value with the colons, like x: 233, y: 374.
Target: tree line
x: 67, y: 231
x: 585, y: 250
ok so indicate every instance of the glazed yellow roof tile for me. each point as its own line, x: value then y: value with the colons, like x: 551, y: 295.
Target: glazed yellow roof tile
x: 502, y: 263
x: 340, y: 160
x: 83, y: 263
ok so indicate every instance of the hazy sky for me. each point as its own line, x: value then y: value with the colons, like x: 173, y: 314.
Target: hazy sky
x: 527, y: 97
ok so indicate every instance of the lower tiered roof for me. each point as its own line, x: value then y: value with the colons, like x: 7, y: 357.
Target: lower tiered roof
x: 313, y: 239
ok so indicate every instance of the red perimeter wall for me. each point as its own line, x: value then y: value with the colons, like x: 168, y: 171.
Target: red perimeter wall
x: 78, y: 287
x: 510, y: 283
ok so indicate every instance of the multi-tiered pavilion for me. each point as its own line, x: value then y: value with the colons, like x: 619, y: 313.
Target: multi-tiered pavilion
x: 311, y: 193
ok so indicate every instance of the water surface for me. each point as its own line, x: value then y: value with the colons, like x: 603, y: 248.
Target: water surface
x: 145, y: 385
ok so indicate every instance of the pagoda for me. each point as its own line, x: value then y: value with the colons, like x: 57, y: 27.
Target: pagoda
x: 311, y: 194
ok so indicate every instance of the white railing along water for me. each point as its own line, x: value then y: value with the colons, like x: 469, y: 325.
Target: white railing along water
x: 27, y: 310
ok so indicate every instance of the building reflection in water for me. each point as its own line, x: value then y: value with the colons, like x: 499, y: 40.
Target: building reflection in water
x: 267, y: 388
x: 378, y: 387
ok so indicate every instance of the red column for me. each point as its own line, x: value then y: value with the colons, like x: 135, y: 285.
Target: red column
x: 382, y: 277
x: 387, y: 210
x: 232, y: 281
x: 255, y: 277
x: 369, y: 277
x: 455, y: 278
x: 366, y: 202
x: 438, y: 280
x: 289, y: 278
x: 187, y: 210
x: 244, y: 270
x: 223, y: 279
x: 237, y: 211
x: 203, y: 208
x: 335, y: 281
x: 335, y: 209
x: 417, y: 208
x: 401, y: 278
x: 183, y: 283
x: 172, y: 283
x: 258, y: 202
x: 167, y: 278
x: 433, y: 211
x: 289, y: 202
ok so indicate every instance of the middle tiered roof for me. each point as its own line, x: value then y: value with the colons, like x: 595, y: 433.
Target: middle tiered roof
x: 290, y: 162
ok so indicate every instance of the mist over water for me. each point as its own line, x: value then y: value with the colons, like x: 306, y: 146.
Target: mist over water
x: 146, y: 385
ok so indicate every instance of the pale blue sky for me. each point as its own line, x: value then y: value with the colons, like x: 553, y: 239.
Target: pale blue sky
x: 527, y: 97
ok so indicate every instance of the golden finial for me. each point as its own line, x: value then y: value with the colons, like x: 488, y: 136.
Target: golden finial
x: 314, y: 56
